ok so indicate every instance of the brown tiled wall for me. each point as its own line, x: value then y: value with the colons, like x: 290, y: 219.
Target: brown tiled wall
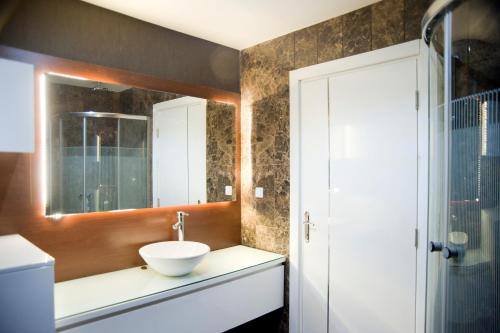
x: 265, y: 104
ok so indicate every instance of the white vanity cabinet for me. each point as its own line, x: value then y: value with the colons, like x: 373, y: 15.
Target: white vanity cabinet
x: 230, y: 287
x: 17, y: 104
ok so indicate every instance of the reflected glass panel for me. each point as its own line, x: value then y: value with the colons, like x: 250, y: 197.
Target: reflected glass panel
x: 134, y: 172
x: 101, y: 164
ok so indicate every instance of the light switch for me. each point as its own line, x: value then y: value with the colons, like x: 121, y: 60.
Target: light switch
x: 259, y: 192
x: 228, y: 190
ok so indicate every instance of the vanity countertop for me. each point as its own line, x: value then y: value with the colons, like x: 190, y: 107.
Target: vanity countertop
x: 99, y: 295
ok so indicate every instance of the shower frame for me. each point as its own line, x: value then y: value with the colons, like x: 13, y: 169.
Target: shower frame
x: 93, y: 114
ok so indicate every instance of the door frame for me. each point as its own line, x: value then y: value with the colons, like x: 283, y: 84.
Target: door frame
x: 162, y: 107
x: 418, y: 50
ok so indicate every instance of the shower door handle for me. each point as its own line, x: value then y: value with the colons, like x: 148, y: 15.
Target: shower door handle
x: 435, y: 246
x: 450, y: 251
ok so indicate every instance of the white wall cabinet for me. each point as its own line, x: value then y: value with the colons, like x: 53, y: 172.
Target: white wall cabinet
x: 17, y: 88
x: 26, y: 287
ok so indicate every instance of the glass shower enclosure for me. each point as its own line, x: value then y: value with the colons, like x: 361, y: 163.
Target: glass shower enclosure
x: 98, y: 162
x: 463, y: 280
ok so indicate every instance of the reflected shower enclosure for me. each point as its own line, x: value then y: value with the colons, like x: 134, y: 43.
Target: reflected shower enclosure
x: 98, y: 162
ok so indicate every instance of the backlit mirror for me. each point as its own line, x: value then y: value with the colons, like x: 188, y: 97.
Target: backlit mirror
x: 114, y: 147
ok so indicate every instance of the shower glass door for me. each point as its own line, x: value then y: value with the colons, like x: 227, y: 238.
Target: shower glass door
x: 437, y: 179
x: 464, y: 201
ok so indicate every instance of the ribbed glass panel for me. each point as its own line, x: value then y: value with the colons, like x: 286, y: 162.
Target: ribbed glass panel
x: 472, y: 301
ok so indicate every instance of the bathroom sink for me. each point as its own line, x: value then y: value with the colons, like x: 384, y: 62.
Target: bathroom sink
x: 174, y: 258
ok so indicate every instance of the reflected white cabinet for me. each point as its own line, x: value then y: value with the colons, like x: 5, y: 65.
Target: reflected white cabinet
x: 17, y: 124
x: 179, y: 152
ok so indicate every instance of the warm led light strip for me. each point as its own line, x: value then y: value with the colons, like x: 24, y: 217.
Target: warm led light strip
x: 43, y: 141
x: 69, y: 76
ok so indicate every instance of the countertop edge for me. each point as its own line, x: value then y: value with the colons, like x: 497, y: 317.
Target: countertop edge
x: 78, y: 319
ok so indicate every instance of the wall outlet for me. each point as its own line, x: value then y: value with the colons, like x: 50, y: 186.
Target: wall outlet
x: 259, y: 192
x: 228, y: 190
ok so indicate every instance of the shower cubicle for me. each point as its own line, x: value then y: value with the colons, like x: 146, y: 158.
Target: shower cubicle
x: 98, y: 162
x: 463, y: 282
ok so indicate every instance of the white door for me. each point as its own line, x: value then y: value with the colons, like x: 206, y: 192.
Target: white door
x: 374, y: 199
x: 358, y: 185
x: 314, y: 197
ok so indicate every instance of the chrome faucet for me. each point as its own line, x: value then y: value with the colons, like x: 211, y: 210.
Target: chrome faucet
x: 179, y: 226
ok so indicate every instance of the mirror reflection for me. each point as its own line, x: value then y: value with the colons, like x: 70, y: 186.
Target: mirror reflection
x: 114, y: 147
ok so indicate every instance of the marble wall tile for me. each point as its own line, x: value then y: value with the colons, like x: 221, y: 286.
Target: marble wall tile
x: 270, y: 59
x: 265, y: 207
x: 306, y: 47
x: 356, y: 32
x: 282, y: 134
x: 247, y: 199
x: 330, y: 40
x: 387, y: 23
x: 282, y: 195
x: 414, y: 12
x: 264, y: 117
x: 221, y: 150
x: 270, y: 238
x: 248, y: 231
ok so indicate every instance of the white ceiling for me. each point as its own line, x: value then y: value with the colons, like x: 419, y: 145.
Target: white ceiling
x: 235, y: 23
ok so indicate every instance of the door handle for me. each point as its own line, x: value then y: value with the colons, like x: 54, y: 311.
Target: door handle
x: 450, y: 251
x: 307, y: 225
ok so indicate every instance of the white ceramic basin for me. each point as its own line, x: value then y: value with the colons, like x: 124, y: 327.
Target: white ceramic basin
x: 174, y: 258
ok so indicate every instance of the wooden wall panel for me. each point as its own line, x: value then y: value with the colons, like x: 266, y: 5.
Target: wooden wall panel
x: 87, y: 244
